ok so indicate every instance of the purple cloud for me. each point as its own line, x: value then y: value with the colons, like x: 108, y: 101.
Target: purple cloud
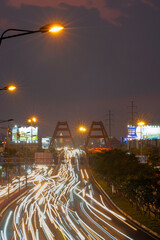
x: 110, y: 14
x: 5, y: 23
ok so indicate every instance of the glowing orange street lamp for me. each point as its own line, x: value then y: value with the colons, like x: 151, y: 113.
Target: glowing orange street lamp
x: 56, y: 29
x: 141, y: 124
x: 82, y: 129
x: 50, y: 28
x: 10, y: 88
x: 32, y: 120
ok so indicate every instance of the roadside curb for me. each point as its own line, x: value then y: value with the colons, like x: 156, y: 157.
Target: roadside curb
x: 125, y: 214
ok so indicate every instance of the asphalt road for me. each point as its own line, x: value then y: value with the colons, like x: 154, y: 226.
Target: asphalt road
x: 66, y: 204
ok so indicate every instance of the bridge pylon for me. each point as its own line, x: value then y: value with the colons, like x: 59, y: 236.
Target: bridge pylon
x: 62, y: 131
x: 97, y: 130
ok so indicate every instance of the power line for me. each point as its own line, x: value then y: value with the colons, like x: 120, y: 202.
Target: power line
x: 109, y: 121
x: 132, y: 107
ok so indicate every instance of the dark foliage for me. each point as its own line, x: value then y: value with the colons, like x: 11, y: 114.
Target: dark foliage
x: 135, y: 181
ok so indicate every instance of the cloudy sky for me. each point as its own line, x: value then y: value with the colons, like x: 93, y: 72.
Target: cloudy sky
x: 107, y: 56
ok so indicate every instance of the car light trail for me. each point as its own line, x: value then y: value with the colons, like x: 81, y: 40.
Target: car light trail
x: 4, y: 235
x: 109, y: 224
x: 107, y: 233
x: 86, y: 173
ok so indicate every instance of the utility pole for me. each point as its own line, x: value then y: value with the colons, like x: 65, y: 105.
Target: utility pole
x: 109, y: 122
x: 19, y: 176
x: 132, y: 122
x: 26, y: 167
x: 8, y: 183
x: 132, y: 108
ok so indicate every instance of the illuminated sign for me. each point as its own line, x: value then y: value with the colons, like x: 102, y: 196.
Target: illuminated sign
x: 145, y: 132
x: 25, y: 134
x: 132, y: 132
x: 151, y: 132
x: 46, y: 142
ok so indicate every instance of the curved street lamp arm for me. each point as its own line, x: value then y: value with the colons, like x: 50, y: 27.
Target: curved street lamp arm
x: 3, y: 128
x: 43, y: 29
x: 4, y: 121
x: 24, y: 32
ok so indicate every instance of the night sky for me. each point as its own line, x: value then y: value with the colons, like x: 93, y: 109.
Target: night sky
x: 107, y: 56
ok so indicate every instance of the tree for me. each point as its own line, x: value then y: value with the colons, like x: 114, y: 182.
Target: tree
x: 138, y: 182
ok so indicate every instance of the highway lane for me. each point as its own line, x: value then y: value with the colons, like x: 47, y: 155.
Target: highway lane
x: 66, y: 205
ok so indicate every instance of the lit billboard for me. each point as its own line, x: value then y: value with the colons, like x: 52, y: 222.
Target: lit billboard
x: 25, y: 134
x: 131, y: 132
x: 46, y: 142
x: 145, y: 132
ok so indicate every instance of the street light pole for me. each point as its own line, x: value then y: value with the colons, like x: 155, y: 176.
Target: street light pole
x: 82, y: 130
x: 141, y: 124
x: 31, y: 131
x: 8, y: 183
x: 4, y: 121
x: 7, y: 88
x: 31, y: 121
x: 7, y: 128
x: 26, y: 168
x: 24, y: 32
x: 19, y: 177
x: 141, y: 140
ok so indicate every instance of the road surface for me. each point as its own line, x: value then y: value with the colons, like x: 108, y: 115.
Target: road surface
x: 66, y: 204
